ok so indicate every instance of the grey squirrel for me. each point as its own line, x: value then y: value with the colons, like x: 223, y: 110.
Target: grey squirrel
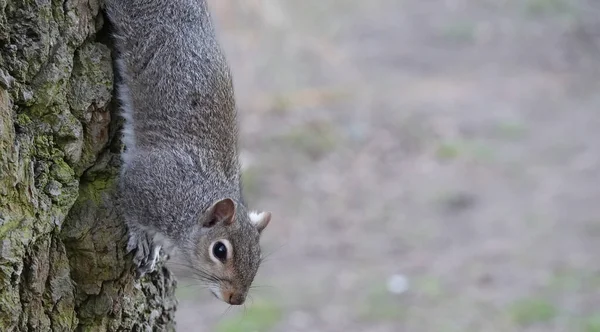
x: 180, y: 184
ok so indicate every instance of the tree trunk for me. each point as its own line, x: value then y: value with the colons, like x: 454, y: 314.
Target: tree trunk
x: 62, y: 261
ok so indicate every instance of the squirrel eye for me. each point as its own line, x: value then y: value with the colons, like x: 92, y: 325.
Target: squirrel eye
x: 220, y: 251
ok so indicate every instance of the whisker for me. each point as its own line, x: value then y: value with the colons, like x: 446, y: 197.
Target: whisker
x: 273, y: 251
x: 251, y: 298
x: 200, y: 286
x: 261, y: 286
x: 225, y: 313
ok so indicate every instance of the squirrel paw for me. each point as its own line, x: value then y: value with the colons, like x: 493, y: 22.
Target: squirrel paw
x: 147, y: 264
x: 146, y: 253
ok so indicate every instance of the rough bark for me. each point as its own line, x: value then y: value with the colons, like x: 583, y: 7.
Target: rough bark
x: 62, y: 260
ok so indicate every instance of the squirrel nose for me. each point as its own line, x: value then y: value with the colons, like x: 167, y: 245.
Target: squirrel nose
x: 233, y: 298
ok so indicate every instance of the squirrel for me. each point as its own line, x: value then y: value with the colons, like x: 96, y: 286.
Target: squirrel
x: 180, y: 182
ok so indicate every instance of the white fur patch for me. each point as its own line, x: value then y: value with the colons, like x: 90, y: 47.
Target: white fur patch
x: 256, y: 217
x: 127, y: 113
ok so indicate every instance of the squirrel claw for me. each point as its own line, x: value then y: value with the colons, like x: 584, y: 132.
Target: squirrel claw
x: 146, y: 254
x: 147, y: 264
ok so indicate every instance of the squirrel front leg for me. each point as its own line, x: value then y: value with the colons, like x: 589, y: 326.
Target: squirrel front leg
x: 146, y: 250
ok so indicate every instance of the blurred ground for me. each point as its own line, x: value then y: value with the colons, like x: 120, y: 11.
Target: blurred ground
x: 454, y: 143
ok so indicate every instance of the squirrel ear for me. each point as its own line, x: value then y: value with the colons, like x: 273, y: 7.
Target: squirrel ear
x: 221, y: 211
x: 260, y: 219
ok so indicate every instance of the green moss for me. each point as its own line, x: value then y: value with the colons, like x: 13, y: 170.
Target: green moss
x: 23, y: 120
x: 45, y: 148
x: 64, y: 316
x: 67, y: 197
x: 66, y: 126
x: 51, y: 93
x: 9, y: 226
x: 10, y: 304
x: 94, y: 189
x: 62, y: 172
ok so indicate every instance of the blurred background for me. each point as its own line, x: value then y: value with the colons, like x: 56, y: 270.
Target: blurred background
x: 431, y: 165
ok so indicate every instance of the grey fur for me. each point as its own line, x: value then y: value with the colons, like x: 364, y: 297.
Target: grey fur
x: 181, y: 140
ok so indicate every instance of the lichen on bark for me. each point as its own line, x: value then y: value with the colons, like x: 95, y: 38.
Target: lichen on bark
x: 62, y: 261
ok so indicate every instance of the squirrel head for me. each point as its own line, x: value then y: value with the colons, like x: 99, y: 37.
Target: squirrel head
x: 226, y: 250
